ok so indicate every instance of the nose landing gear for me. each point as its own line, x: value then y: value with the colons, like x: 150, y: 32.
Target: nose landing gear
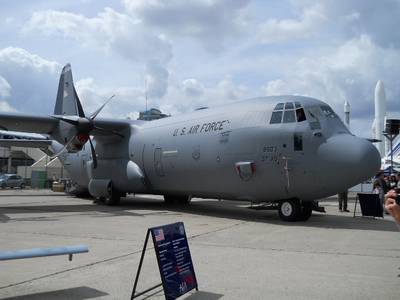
x: 292, y: 210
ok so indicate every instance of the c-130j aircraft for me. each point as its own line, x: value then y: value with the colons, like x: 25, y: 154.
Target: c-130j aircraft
x: 287, y: 151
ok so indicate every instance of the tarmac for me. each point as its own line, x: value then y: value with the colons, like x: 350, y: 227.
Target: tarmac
x: 238, y: 253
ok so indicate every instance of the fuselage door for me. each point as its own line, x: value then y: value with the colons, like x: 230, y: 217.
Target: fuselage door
x: 158, y: 166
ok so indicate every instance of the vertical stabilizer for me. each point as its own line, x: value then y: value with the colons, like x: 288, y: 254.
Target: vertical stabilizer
x: 67, y: 99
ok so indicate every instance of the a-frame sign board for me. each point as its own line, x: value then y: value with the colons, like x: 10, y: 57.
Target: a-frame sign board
x: 174, y: 261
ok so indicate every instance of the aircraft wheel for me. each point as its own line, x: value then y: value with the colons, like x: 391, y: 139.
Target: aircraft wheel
x: 305, y: 211
x: 114, y: 197
x: 289, y: 210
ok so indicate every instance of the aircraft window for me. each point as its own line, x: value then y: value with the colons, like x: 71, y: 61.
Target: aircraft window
x: 289, y: 116
x: 276, y: 117
x: 298, y: 142
x: 301, y: 116
x: 297, y: 104
x: 289, y: 105
x: 279, y: 106
x: 328, y: 111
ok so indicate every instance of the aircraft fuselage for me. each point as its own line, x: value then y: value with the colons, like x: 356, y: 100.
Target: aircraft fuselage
x: 239, y: 151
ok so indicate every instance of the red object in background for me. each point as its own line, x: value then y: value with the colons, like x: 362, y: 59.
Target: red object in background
x: 83, y: 138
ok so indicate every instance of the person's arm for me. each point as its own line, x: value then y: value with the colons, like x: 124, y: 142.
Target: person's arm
x: 391, y: 206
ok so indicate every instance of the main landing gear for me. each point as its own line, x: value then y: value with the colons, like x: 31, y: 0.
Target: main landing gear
x: 293, y: 210
x: 113, y: 198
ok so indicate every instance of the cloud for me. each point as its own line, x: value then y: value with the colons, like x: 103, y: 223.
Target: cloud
x: 5, y: 107
x: 11, y: 56
x: 28, y: 81
x: 5, y: 88
x: 353, y: 18
x: 112, y: 32
x: 190, y: 94
x: 347, y: 72
x: 156, y: 79
x: 211, y: 22
x: 109, y: 31
x: 127, y: 102
x: 274, y: 30
x: 192, y: 87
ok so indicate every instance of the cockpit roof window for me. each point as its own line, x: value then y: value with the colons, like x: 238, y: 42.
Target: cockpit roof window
x: 297, y: 104
x: 279, y: 106
x: 289, y: 105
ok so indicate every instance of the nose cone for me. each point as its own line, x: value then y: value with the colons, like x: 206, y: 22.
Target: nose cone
x: 349, y: 160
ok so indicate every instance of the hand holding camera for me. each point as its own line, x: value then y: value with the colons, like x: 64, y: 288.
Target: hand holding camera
x: 392, y: 204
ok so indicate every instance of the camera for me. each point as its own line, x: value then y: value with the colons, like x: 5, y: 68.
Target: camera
x: 398, y: 199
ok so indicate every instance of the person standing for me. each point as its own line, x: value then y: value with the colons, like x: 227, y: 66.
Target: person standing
x: 384, y: 188
x: 343, y: 201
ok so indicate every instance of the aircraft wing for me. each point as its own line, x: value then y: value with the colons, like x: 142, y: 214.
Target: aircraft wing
x: 47, y: 124
x: 27, y: 123
x: 25, y: 143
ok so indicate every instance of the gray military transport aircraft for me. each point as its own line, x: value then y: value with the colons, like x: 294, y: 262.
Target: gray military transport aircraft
x: 287, y: 151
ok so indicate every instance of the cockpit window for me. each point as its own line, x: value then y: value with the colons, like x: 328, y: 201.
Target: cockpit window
x: 279, y: 106
x: 276, y: 117
x: 328, y: 112
x: 300, y: 115
x: 289, y: 116
x: 289, y: 105
x: 288, y: 112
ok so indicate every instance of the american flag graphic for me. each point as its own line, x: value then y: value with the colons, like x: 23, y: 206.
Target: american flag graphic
x: 159, y: 235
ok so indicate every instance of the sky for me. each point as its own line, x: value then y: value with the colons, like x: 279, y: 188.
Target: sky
x: 186, y: 54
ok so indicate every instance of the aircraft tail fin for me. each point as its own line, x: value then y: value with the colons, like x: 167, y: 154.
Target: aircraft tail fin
x: 67, y: 102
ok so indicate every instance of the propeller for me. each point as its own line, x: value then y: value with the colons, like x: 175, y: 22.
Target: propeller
x: 83, y: 126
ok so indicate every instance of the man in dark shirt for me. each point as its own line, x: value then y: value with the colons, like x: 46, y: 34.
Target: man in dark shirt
x: 343, y: 201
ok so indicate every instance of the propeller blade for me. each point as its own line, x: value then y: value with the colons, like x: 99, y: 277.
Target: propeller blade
x: 109, y: 131
x: 94, y: 115
x: 79, y: 105
x: 94, y: 157
x: 63, y: 149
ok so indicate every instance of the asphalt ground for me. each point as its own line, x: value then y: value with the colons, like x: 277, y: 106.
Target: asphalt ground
x: 238, y: 253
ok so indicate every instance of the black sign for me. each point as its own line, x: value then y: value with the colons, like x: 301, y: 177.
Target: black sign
x: 174, y: 260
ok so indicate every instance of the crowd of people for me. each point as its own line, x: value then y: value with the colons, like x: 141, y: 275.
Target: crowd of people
x: 388, y: 188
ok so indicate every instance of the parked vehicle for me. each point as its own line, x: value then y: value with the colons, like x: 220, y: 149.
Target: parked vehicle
x: 11, y: 180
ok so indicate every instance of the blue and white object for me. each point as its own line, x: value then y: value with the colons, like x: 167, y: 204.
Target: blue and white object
x: 42, y: 252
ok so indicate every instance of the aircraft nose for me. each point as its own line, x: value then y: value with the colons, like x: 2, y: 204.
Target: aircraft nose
x: 349, y: 160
